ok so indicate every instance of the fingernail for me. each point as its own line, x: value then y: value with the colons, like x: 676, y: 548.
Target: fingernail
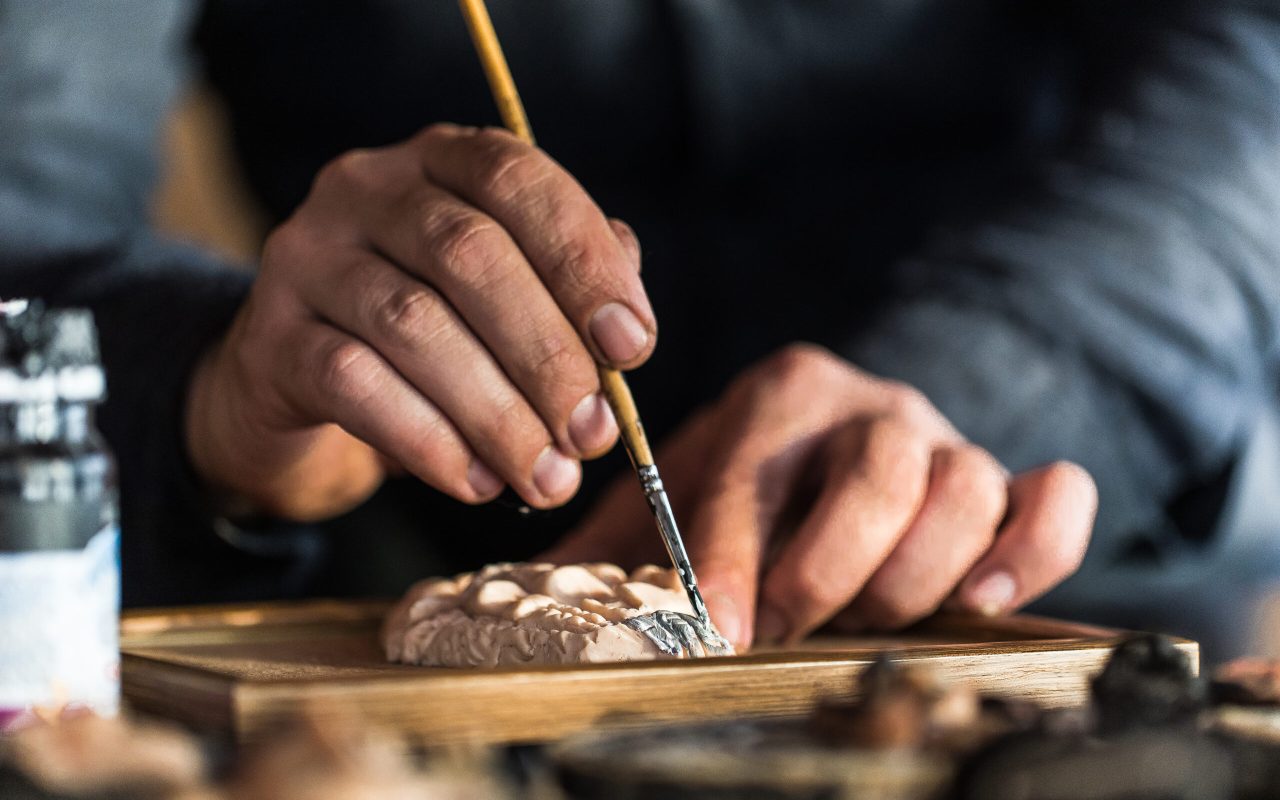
x: 555, y: 474
x: 993, y: 594
x: 482, y: 479
x: 771, y: 626
x: 724, y: 615
x: 618, y: 333
x: 591, y: 425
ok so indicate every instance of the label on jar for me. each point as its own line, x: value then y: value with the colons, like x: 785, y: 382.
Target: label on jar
x: 59, y: 630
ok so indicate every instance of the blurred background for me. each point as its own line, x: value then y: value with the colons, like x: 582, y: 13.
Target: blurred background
x: 202, y: 197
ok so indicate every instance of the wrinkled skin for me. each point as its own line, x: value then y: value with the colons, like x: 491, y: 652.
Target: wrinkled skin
x: 442, y: 302
x: 440, y: 306
x: 813, y: 491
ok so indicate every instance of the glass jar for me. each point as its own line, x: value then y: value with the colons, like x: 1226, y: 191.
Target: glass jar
x: 59, y: 535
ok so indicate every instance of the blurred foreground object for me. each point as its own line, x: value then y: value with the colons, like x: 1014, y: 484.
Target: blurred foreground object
x: 1247, y: 696
x: 90, y: 756
x: 1153, y: 730
x: 1248, y: 681
x: 898, y: 708
x: 59, y: 540
x: 328, y: 756
x: 203, y: 197
x: 324, y: 757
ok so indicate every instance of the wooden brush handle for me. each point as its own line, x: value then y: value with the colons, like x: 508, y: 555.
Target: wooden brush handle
x: 494, y: 63
x: 623, y: 404
x: 511, y: 109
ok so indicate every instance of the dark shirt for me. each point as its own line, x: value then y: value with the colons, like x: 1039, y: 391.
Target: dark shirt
x: 1060, y: 220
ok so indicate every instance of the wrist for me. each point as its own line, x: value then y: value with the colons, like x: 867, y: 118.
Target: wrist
x: 250, y: 467
x: 202, y: 435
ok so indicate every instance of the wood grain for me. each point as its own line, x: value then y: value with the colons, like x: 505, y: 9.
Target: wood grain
x: 247, y: 669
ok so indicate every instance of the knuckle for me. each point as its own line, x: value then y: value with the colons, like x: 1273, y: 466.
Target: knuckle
x: 565, y: 366
x: 464, y: 243
x: 894, y: 459
x: 893, y: 447
x: 351, y: 170
x: 579, y: 269
x: 972, y: 476
x: 1070, y: 480
x: 437, y: 131
x: 435, y: 454
x: 287, y: 245
x: 562, y: 358
x: 345, y: 370
x: 508, y: 167
x: 514, y: 429
x: 746, y: 390
x: 907, y: 402
x: 797, y: 361
x: 408, y: 315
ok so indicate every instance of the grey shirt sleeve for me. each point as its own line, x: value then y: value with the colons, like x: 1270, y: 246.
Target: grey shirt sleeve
x: 83, y: 91
x: 1121, y: 311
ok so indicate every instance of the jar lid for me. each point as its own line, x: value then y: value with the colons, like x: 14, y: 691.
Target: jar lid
x: 48, y: 354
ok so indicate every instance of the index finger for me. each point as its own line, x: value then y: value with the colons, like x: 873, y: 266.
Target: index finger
x: 875, y: 484
x: 561, y: 230
x: 748, y: 484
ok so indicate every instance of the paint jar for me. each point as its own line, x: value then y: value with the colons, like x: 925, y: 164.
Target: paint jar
x: 59, y: 536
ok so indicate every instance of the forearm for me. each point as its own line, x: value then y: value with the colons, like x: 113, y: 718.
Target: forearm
x: 1120, y: 310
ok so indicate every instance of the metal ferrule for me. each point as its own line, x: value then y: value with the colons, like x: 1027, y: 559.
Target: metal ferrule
x: 649, y: 480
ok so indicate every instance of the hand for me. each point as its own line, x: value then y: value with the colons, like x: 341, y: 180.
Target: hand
x: 813, y: 491
x: 439, y: 305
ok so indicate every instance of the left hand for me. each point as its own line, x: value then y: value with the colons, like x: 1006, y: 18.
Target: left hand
x: 813, y: 492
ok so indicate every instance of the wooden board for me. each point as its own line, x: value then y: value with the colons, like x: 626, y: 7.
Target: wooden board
x: 246, y: 669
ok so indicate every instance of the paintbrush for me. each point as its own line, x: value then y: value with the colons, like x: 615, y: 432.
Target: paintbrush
x: 612, y: 383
